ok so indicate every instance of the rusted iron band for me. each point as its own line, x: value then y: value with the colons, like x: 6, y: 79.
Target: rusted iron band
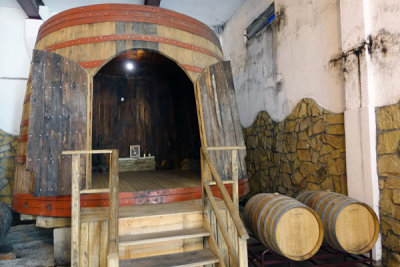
x: 137, y: 37
x: 128, y: 13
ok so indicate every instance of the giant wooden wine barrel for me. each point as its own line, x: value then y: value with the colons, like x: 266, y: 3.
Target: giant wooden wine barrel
x: 82, y: 41
x: 284, y: 225
x: 349, y: 225
x: 93, y: 35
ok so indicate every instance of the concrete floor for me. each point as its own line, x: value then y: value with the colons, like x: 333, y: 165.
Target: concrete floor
x: 33, y: 246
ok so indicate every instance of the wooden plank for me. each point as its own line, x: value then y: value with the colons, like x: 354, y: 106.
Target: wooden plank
x: 94, y: 243
x: 80, y: 89
x: 154, y: 249
x: 53, y: 109
x: 75, y: 213
x: 145, y: 211
x: 113, y: 207
x: 220, y: 117
x: 155, y: 224
x: 235, y: 178
x: 34, y: 148
x: 243, y: 259
x: 212, y: 243
x: 103, y: 243
x: 200, y: 114
x: 120, y: 45
x: 224, y: 182
x: 162, y: 236
x: 191, y: 258
x: 65, y: 162
x: 85, y: 152
x: 227, y: 238
x: 75, y: 92
x: 230, y: 226
x: 51, y: 134
x: 225, y: 148
x: 89, y: 134
x: 52, y: 222
x: 84, y: 245
x: 189, y: 244
x: 221, y: 241
x: 234, y: 213
x: 95, y: 191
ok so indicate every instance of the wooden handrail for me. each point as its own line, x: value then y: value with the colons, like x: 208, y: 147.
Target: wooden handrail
x: 210, y: 175
x: 112, y: 256
x: 225, y: 234
x: 234, y: 213
x: 75, y: 211
x: 210, y: 148
x: 112, y: 251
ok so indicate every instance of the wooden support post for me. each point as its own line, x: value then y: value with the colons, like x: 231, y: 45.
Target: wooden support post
x: 212, y: 243
x: 205, y: 178
x: 75, y: 211
x: 243, y: 260
x: 235, y: 178
x: 88, y: 171
x: 225, y: 196
x: 224, y: 233
x: 113, y: 211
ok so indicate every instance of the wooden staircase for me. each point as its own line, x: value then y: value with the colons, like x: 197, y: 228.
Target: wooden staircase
x: 173, y: 233
x: 184, y: 233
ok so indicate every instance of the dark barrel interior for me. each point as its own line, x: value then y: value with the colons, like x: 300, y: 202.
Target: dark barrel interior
x: 150, y: 103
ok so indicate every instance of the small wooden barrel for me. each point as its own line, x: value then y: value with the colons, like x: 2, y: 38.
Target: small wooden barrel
x: 349, y: 225
x: 284, y: 225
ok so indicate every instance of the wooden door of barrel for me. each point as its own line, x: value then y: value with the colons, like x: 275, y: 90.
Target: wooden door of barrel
x: 58, y: 121
x: 218, y: 117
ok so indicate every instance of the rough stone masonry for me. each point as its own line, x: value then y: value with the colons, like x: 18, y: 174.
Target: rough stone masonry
x: 8, y: 151
x: 388, y: 160
x: 306, y: 151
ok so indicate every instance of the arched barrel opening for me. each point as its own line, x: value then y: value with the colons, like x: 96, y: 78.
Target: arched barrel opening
x: 145, y: 100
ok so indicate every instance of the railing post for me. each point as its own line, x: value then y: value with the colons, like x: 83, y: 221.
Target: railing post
x: 243, y: 260
x: 205, y: 178
x: 75, y: 211
x: 112, y: 258
x: 235, y: 178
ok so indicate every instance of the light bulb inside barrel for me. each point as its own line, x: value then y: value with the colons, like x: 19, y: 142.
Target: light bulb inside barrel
x: 129, y: 66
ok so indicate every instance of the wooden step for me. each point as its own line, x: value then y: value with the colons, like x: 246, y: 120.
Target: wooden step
x: 156, y: 210
x: 191, y: 258
x: 147, y: 238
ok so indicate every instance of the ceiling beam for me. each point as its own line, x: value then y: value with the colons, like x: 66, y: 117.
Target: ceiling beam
x: 31, y: 7
x: 152, y: 2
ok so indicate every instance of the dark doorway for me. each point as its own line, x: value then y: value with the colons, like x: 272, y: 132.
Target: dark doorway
x: 143, y: 98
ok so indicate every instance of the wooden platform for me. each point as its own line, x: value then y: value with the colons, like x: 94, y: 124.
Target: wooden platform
x: 136, y: 188
x: 150, y: 180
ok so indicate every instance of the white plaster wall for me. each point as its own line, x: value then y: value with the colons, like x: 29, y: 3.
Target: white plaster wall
x: 384, y: 24
x: 18, y: 36
x: 286, y: 64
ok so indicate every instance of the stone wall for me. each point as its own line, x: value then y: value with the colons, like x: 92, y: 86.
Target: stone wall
x: 8, y: 148
x: 306, y: 151
x: 388, y: 159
